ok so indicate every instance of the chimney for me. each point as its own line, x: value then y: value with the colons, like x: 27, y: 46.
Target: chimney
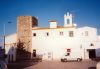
x: 53, y: 24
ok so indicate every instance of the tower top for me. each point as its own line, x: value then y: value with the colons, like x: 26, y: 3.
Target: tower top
x: 68, y: 20
x: 69, y: 14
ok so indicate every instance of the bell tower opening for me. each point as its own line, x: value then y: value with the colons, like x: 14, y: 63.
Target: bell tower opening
x: 68, y: 21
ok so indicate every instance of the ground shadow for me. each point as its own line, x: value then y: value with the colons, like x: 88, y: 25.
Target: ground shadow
x: 92, y: 68
x: 96, y: 59
x: 22, y: 64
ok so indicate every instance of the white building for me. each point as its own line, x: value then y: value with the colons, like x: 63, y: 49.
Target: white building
x: 55, y: 41
x: 10, y: 46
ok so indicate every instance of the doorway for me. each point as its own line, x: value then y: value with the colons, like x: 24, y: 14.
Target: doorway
x: 92, y: 53
x: 50, y: 56
x: 34, y: 53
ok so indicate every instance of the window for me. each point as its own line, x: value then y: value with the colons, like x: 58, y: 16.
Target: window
x: 34, y: 34
x: 71, y: 34
x: 68, y: 50
x: 68, y: 21
x: 68, y: 54
x: 9, y: 57
x: 34, y: 53
x: 86, y: 33
x: 47, y: 34
x: 12, y: 57
x: 61, y: 33
x: 91, y: 44
x: 82, y: 34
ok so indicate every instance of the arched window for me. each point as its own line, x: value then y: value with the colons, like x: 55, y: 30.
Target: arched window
x: 68, y: 21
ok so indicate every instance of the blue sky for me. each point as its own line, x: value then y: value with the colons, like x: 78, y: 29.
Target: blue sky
x: 85, y: 12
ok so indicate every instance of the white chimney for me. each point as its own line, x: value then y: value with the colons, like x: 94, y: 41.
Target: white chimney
x: 53, y: 24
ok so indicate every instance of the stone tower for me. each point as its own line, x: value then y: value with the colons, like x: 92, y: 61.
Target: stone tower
x: 24, y: 31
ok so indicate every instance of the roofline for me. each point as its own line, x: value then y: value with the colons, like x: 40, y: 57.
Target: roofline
x: 51, y: 28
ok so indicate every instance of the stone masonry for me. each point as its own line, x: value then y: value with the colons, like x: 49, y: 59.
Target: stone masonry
x: 24, y: 30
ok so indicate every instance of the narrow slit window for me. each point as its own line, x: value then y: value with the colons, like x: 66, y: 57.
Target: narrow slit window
x: 47, y: 34
x: 34, y: 34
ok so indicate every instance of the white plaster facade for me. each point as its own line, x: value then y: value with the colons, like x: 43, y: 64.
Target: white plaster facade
x: 53, y: 42
x: 10, y: 47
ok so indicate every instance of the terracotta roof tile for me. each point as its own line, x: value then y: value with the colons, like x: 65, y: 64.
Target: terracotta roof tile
x: 52, y: 20
x: 47, y: 28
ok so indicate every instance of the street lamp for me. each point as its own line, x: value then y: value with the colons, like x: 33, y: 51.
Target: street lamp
x: 4, y: 34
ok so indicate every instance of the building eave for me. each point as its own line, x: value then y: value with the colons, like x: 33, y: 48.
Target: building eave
x: 52, y: 28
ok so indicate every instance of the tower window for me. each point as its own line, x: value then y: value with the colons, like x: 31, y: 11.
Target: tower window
x: 71, y: 34
x: 34, y: 34
x: 68, y: 21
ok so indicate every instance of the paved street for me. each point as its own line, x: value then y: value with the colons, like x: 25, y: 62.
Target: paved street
x: 86, y: 64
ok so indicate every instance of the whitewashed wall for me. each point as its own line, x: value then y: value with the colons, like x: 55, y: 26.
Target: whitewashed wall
x: 10, y: 47
x: 56, y: 44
